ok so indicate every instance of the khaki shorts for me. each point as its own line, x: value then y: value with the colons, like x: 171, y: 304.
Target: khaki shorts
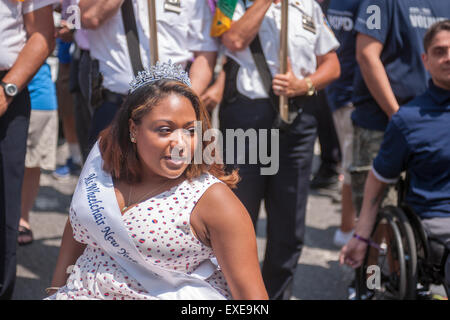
x: 42, y: 140
x: 344, y: 130
x: 366, y: 144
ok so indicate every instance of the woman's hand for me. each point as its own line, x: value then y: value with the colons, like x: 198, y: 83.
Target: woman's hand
x: 51, y: 291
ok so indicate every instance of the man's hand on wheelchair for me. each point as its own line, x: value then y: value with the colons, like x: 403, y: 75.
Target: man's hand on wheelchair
x: 353, y: 253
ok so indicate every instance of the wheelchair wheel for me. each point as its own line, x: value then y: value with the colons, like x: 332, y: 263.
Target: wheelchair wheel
x: 424, y: 270
x: 409, y: 247
x: 383, y: 275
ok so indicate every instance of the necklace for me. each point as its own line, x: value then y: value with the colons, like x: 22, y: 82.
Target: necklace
x: 146, y: 195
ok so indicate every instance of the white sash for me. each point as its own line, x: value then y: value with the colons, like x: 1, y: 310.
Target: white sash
x: 95, y: 204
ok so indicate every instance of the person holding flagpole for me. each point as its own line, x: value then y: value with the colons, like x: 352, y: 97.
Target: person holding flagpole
x: 250, y: 32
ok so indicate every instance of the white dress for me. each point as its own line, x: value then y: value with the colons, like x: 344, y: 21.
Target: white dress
x: 161, y: 230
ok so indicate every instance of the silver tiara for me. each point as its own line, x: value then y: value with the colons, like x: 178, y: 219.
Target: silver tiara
x: 165, y: 70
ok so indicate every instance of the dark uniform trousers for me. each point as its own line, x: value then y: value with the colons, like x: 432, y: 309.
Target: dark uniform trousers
x: 284, y: 193
x: 103, y: 116
x: 330, y: 150
x: 13, y: 140
x: 79, y: 87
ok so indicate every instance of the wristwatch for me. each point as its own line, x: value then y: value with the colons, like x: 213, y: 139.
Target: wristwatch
x: 10, y: 89
x: 311, y: 88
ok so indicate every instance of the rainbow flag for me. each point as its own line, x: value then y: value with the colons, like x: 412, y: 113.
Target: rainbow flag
x: 222, y: 17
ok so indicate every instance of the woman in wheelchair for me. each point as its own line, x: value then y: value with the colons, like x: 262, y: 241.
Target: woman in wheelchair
x: 401, y: 246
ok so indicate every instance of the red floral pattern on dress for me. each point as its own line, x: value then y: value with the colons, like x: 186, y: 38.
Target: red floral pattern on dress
x: 160, y: 228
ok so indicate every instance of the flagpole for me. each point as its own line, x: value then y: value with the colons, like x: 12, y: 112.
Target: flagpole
x: 284, y: 107
x: 153, y: 32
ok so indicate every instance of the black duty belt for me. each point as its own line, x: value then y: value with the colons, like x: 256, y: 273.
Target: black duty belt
x: 3, y: 73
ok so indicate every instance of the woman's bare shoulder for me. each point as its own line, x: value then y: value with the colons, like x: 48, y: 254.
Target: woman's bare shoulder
x: 219, y: 204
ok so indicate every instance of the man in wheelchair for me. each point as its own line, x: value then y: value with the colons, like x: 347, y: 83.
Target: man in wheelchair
x: 417, y: 140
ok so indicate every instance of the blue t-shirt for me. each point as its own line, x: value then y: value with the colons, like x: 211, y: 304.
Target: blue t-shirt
x: 417, y: 139
x: 400, y: 26
x: 341, y: 15
x: 42, y: 90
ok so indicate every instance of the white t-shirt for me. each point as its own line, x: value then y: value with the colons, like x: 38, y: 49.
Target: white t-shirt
x: 179, y: 34
x: 13, y: 35
x: 304, y: 45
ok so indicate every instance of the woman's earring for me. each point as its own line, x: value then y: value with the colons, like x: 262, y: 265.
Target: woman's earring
x: 133, y: 139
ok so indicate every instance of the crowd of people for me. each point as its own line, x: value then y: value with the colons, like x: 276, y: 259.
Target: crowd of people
x: 369, y: 79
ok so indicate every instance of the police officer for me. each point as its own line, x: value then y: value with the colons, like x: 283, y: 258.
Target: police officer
x: 26, y: 40
x: 388, y: 50
x: 247, y: 105
x: 183, y: 34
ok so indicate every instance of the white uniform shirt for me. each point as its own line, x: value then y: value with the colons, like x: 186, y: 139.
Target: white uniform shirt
x: 303, y: 45
x: 13, y: 35
x: 178, y: 36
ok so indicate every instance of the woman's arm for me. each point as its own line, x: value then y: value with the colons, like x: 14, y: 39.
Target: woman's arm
x: 69, y: 252
x: 220, y: 219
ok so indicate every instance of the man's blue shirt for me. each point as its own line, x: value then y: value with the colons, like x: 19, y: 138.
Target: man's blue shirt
x: 417, y: 139
x: 400, y: 26
x: 341, y: 15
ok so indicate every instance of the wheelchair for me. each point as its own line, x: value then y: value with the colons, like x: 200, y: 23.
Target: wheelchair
x: 403, y: 262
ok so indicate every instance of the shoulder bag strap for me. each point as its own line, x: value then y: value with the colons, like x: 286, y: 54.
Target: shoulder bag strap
x: 263, y: 70
x: 266, y: 78
x: 129, y: 23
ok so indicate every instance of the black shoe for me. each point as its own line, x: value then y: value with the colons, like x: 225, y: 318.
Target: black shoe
x: 326, y: 177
